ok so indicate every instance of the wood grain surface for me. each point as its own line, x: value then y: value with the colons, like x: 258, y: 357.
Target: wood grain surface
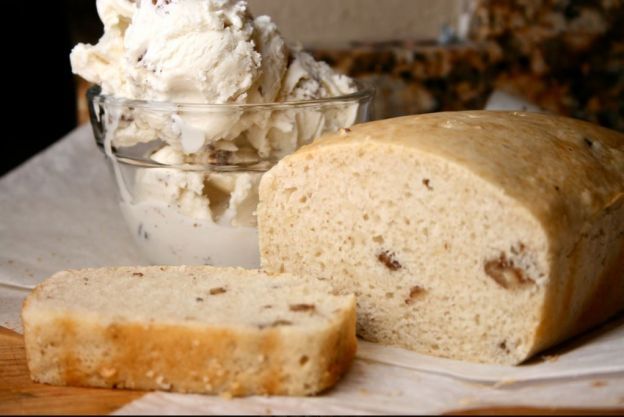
x: 19, y: 395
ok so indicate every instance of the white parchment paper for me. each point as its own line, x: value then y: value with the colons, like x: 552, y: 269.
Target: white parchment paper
x: 376, y: 389
x: 59, y: 211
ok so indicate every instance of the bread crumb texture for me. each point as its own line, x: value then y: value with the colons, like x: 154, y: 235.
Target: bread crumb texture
x: 482, y: 236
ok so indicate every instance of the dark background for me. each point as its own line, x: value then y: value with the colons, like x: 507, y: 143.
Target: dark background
x: 41, y: 91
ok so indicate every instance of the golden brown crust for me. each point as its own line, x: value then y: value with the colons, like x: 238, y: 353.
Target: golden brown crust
x: 171, y: 358
x: 587, y: 284
x: 105, y: 350
x: 607, y: 296
x: 341, y: 348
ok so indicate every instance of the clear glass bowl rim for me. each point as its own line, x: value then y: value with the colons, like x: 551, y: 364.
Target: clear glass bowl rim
x: 365, y: 92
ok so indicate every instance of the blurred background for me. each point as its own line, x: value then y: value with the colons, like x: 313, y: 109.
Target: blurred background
x: 565, y: 56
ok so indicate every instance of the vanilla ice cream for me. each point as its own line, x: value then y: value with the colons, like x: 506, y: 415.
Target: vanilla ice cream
x: 181, y: 53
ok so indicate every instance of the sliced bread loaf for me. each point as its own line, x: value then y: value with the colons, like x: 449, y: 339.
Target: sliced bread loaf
x: 188, y: 329
x: 484, y: 236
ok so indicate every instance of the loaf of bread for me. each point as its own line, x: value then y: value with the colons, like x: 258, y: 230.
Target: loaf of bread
x: 481, y: 236
x: 188, y: 329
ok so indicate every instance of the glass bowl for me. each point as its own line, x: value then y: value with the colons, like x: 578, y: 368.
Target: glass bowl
x: 187, y: 174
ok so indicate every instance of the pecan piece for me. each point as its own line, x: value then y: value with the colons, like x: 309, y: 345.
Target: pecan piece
x: 302, y: 307
x: 506, y: 274
x: 388, y: 259
x: 415, y: 293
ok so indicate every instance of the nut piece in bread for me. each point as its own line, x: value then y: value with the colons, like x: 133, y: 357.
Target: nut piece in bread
x: 189, y: 329
x: 482, y: 236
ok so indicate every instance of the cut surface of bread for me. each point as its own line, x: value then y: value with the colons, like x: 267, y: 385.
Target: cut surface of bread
x: 481, y: 236
x: 189, y: 329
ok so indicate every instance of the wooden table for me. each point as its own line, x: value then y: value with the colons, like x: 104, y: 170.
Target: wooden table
x: 19, y: 395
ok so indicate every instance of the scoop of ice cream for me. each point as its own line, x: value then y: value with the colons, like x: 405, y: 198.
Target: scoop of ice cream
x: 203, y: 51
x: 185, y: 52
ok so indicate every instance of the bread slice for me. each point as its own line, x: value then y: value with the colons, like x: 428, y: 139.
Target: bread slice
x: 483, y: 236
x: 188, y: 329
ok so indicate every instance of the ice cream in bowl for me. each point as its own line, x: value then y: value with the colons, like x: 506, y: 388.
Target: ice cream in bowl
x: 194, y: 101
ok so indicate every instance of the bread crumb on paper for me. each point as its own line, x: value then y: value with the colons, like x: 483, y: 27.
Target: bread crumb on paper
x: 504, y: 383
x: 550, y: 358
